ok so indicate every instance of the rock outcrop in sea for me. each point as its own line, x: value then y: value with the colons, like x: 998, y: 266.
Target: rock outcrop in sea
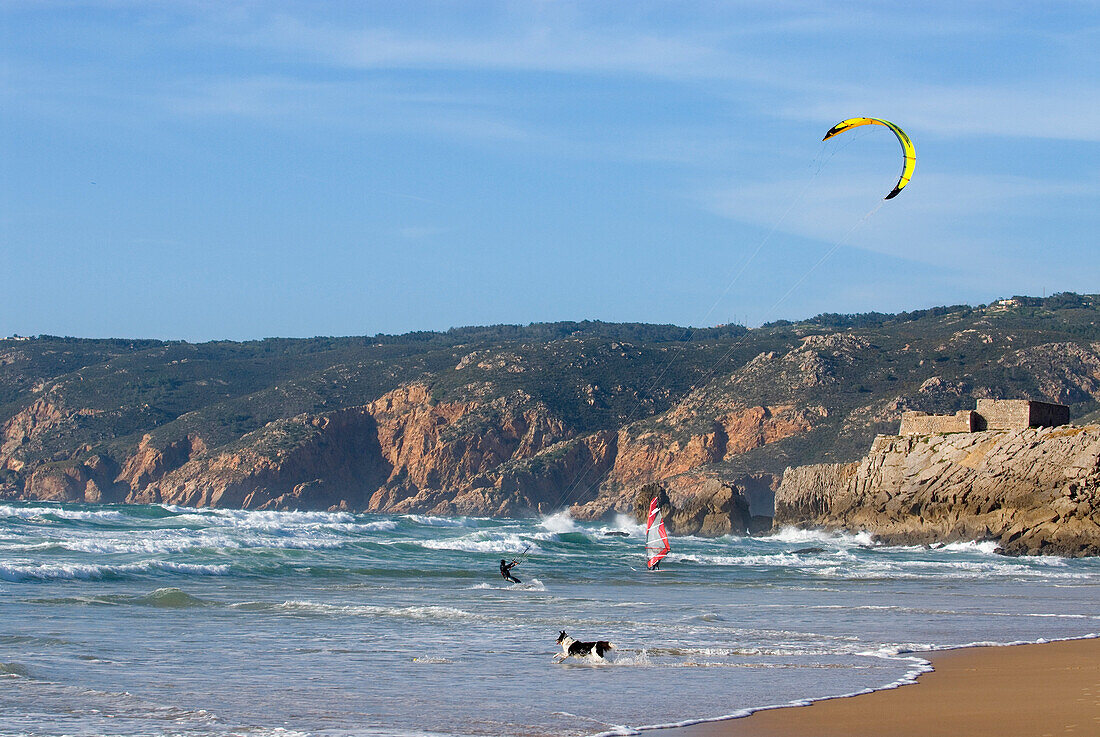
x: 1033, y: 491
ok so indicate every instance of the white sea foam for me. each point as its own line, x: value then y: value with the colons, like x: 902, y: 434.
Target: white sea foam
x: 181, y: 543
x: 426, y: 612
x: 284, y: 523
x: 280, y: 523
x: 559, y: 522
x: 263, y: 518
x: 382, y: 525
x: 847, y: 563
x: 1007, y: 568
x: 800, y: 536
x: 986, y: 547
x: 430, y: 521
x: 176, y: 540
x: 483, y: 542
x: 625, y: 523
x: 772, y: 559
x: 532, y: 584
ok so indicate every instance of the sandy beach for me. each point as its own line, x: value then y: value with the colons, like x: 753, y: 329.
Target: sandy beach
x: 1020, y: 690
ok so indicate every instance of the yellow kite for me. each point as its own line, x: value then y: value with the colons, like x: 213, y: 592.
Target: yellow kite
x: 906, y: 146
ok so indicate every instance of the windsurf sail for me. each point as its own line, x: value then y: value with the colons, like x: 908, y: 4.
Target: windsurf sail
x: 656, y: 537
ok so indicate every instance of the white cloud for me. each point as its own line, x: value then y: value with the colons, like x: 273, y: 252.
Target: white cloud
x: 933, y: 221
x: 1027, y: 110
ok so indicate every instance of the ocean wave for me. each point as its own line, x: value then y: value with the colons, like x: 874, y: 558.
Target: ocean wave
x: 13, y: 670
x: 624, y: 523
x: 160, y: 541
x: 430, y: 521
x: 1005, y: 568
x: 283, y: 524
x: 799, y: 536
x: 986, y: 547
x: 559, y: 522
x: 745, y: 559
x: 166, y: 598
x: 264, y: 517
x: 843, y: 564
x: 171, y: 598
x: 382, y: 525
x: 27, y: 571
x: 508, y: 543
x: 532, y: 584
x: 416, y: 612
x: 41, y: 514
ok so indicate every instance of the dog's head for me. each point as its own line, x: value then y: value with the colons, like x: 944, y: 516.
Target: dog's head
x: 562, y: 636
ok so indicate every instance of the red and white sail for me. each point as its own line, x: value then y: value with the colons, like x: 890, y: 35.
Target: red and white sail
x: 656, y: 537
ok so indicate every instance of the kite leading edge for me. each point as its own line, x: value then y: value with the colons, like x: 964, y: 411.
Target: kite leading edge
x: 907, y: 150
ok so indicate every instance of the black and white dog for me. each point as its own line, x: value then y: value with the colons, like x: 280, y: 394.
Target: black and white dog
x: 576, y: 649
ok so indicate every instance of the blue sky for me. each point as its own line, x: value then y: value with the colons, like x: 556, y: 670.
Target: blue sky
x: 204, y: 170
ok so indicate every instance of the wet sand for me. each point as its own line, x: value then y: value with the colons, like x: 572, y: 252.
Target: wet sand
x: 1015, y: 691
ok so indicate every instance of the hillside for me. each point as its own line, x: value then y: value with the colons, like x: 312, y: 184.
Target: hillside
x: 510, y: 419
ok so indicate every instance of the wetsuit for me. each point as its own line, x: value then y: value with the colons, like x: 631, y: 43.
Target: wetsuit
x: 506, y: 571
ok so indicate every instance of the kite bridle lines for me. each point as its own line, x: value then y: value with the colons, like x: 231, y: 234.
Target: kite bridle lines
x: 567, y: 497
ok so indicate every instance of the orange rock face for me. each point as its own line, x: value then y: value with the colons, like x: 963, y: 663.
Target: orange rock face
x: 149, y: 464
x: 39, y: 418
x: 445, y: 445
x: 505, y: 455
x: 679, y: 443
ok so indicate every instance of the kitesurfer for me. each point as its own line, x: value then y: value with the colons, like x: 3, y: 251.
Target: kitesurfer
x: 506, y: 570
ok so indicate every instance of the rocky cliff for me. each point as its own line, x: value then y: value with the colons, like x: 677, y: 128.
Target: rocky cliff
x: 514, y: 420
x: 408, y: 452
x: 1034, y: 491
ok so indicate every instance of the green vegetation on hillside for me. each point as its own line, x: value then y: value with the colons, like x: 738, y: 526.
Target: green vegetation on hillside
x: 590, y: 375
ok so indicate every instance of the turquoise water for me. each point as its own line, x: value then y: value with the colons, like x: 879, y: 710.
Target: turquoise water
x: 152, y: 620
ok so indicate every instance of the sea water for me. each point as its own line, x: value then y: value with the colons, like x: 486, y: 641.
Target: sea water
x: 157, y: 620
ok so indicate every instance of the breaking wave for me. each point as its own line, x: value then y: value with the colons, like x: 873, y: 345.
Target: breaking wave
x: 17, y: 572
x: 429, y: 521
x: 559, y: 522
x: 800, y: 536
x: 49, y: 514
x: 424, y: 612
x: 508, y: 543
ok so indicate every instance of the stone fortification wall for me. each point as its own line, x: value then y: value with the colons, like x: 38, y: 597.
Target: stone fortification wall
x: 991, y: 414
x: 1012, y: 414
x: 1032, y: 490
x: 922, y: 423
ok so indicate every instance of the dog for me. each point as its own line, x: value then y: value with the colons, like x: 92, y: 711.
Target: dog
x: 571, y: 648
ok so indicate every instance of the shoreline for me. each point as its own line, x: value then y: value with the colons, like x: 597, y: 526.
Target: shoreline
x: 1036, y: 688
